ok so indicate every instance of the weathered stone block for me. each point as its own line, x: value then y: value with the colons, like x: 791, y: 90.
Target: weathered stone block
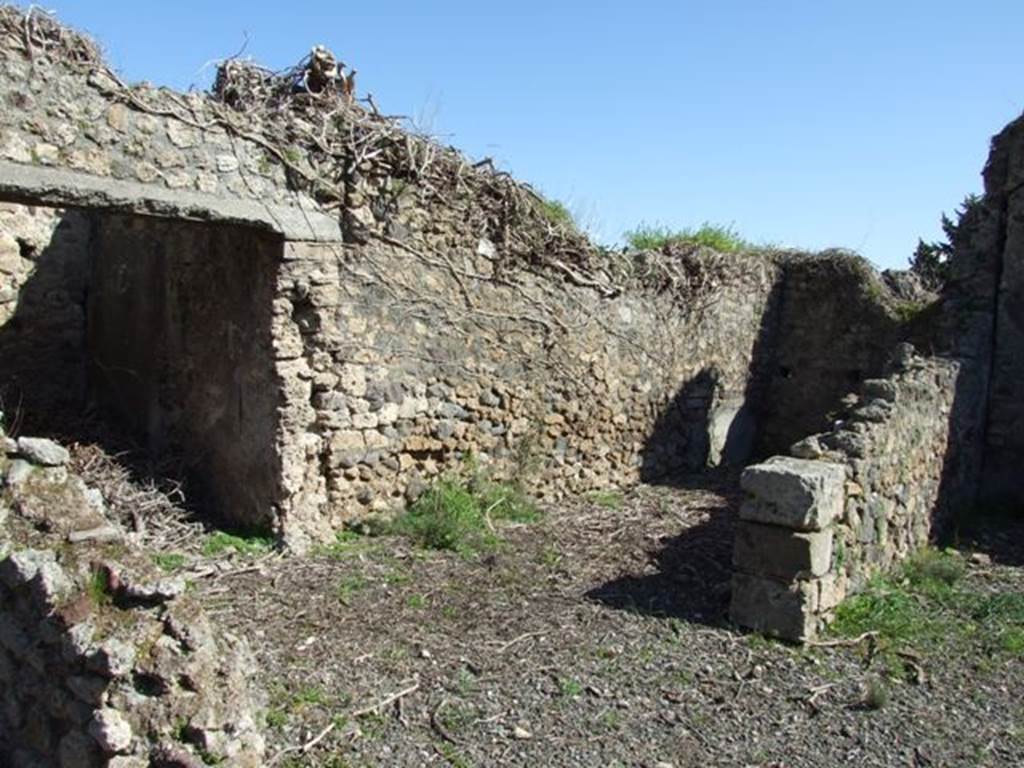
x: 769, y: 606
x: 831, y: 591
x: 769, y: 550
x: 42, y: 451
x: 794, y: 493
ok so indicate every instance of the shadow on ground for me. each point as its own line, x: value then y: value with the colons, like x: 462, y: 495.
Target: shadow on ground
x: 692, y: 570
x: 998, y: 535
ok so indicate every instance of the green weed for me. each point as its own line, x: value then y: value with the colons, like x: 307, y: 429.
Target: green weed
x: 876, y: 695
x: 276, y: 718
x: 606, y: 499
x: 550, y: 557
x: 97, y: 587
x: 926, y: 606
x: 457, y: 718
x: 557, y: 213
x: 169, y: 561
x: 348, y: 586
x: 908, y: 311
x: 569, y: 688
x: 250, y: 546
x: 310, y: 696
x: 723, y: 239
x: 465, y: 683
x: 372, y: 725
x: 611, y: 720
x: 347, y: 542
x: 932, y: 570
x: 458, y: 514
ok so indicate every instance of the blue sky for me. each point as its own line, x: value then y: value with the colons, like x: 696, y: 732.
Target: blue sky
x: 806, y: 123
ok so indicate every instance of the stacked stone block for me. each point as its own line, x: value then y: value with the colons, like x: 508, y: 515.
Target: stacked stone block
x: 901, y: 460
x: 785, y: 545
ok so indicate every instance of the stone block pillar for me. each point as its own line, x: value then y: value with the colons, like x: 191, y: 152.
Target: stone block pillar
x: 783, y: 556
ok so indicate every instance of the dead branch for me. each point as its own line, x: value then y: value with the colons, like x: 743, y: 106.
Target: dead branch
x: 842, y: 642
x: 386, y: 701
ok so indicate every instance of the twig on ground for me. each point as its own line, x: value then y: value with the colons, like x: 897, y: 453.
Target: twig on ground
x: 387, y: 700
x: 505, y: 646
x: 843, y: 642
x: 303, y: 748
x: 435, y: 722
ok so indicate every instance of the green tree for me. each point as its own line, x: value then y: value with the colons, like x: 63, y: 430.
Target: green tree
x: 931, y: 261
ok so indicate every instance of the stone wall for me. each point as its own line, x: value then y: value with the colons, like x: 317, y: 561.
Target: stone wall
x: 104, y: 660
x: 1004, y: 185
x: 941, y: 436
x: 837, y: 324
x: 854, y: 501
x: 300, y: 385
x: 58, y: 114
x: 405, y: 362
x: 303, y: 384
x: 43, y: 276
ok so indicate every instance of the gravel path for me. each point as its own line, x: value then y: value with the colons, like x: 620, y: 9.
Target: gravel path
x: 596, y: 637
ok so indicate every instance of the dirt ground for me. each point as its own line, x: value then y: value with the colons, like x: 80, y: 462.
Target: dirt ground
x: 595, y: 637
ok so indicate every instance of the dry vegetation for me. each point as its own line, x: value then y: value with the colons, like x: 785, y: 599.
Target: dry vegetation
x: 596, y: 635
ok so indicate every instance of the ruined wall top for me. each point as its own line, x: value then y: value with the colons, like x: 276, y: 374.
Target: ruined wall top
x: 72, y: 133
x: 315, y: 166
x: 1004, y: 171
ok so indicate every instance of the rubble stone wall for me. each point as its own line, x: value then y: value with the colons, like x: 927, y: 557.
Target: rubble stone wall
x: 406, y: 362
x: 44, y: 256
x: 104, y: 659
x: 1004, y: 184
x: 854, y: 501
x: 836, y: 327
x: 58, y: 116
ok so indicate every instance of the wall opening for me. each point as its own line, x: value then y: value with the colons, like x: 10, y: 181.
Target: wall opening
x: 160, y: 328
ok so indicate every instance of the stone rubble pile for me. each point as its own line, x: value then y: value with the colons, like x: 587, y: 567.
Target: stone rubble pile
x: 104, y: 658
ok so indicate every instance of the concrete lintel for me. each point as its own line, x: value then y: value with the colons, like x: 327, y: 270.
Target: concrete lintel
x: 41, y: 185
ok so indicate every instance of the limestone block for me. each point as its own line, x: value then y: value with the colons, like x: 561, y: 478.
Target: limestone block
x: 48, y: 583
x: 831, y: 591
x: 44, y: 452
x: 730, y: 433
x: 111, y: 731
x: 769, y: 606
x: 794, y: 493
x: 769, y: 550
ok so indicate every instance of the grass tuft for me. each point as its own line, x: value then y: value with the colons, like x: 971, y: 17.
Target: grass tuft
x: 570, y: 688
x: 558, y: 214
x: 717, y: 237
x: 928, y: 607
x: 251, y: 546
x: 97, y: 587
x: 458, y: 514
x: 606, y: 499
x: 876, y: 695
x: 169, y: 561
